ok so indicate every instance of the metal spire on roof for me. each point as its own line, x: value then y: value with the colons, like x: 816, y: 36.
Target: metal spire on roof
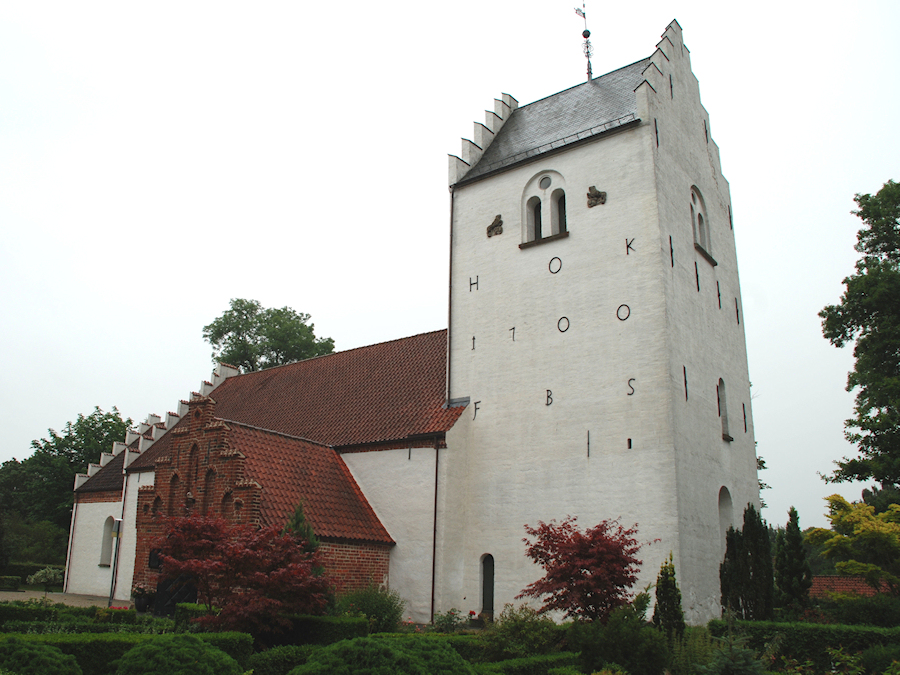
x: 587, y: 47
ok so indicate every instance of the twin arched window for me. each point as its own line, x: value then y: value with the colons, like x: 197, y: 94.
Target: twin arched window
x: 545, y: 207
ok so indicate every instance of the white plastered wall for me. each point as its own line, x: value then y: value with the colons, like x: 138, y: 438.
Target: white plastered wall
x: 399, y: 485
x: 128, y: 543
x: 518, y: 460
x: 705, y: 340
x: 86, y: 576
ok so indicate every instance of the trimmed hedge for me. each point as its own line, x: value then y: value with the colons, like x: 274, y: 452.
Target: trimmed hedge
x: 529, y: 665
x: 322, y: 630
x: 280, y: 660
x: 184, y: 613
x: 96, y: 653
x: 16, y: 612
x: 470, y: 647
x: 9, y: 583
x: 176, y: 654
x: 27, y: 658
x: 808, y: 641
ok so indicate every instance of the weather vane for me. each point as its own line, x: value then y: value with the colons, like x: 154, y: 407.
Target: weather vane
x: 586, y: 34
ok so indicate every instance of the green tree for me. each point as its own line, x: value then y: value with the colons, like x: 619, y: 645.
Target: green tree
x: 668, y: 615
x: 793, y: 576
x: 254, y: 338
x: 39, y: 488
x: 299, y: 527
x: 864, y: 542
x: 869, y: 313
x: 745, y: 575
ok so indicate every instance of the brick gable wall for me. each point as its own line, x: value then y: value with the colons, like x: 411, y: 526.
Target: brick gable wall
x: 203, y: 473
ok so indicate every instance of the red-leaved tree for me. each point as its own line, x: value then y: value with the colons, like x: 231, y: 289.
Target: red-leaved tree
x: 587, y: 574
x: 253, y: 576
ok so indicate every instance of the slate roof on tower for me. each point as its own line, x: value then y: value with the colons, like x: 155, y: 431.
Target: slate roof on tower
x: 562, y: 119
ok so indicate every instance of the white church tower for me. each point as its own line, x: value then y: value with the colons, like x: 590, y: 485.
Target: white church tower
x: 596, y: 333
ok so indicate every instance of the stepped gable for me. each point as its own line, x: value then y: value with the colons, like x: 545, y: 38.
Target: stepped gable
x: 294, y: 469
x: 376, y: 394
x: 562, y: 119
x: 109, y: 478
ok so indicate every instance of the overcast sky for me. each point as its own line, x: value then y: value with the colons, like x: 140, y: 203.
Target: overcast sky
x: 158, y: 159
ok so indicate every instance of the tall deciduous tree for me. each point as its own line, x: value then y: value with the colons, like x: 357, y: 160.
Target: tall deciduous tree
x: 746, y: 575
x: 793, y: 575
x: 251, y: 337
x: 869, y: 312
x: 863, y: 541
x: 587, y: 574
x: 255, y: 577
x: 39, y: 488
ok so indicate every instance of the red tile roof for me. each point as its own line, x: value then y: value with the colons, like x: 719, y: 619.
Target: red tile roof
x: 283, y: 420
x: 293, y: 469
x: 382, y: 392
x: 824, y: 584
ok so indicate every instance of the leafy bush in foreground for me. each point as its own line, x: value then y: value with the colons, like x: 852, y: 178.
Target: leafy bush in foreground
x: 518, y: 631
x: 26, y: 658
x: 180, y: 654
x: 383, y: 608
x: 377, y: 656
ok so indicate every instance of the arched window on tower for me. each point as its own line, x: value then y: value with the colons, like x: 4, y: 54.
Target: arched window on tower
x: 106, y: 545
x: 723, y: 409
x: 700, y: 226
x: 558, y: 211
x: 726, y: 517
x: 534, y: 219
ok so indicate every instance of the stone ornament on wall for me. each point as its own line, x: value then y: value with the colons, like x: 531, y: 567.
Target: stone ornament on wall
x: 496, y: 227
x: 595, y: 197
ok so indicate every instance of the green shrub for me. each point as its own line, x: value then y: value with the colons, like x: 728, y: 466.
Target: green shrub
x: 518, y: 631
x: 626, y: 640
x: 10, y: 583
x: 803, y: 642
x: 696, y: 648
x: 531, y: 665
x: 185, y: 612
x: 733, y: 658
x: 449, y: 621
x: 21, y: 611
x: 564, y: 670
x: 177, y: 654
x: 27, y: 658
x: 379, y: 656
x: 878, y: 658
x: 118, y: 616
x: 25, y: 569
x: 383, y: 608
x: 95, y: 654
x: 238, y: 646
x: 322, y: 630
x: 47, y: 577
x: 280, y: 660
x: 878, y: 610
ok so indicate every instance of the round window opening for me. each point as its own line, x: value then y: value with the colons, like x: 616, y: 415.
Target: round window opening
x: 545, y: 182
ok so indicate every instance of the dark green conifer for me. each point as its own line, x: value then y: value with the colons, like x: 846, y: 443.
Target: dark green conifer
x: 793, y: 575
x: 746, y: 577
x: 668, y: 615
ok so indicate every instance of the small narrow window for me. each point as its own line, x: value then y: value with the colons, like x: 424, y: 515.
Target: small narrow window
x: 723, y: 409
x: 726, y: 515
x: 106, y: 545
x: 558, y: 212
x: 174, y: 489
x: 700, y: 226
